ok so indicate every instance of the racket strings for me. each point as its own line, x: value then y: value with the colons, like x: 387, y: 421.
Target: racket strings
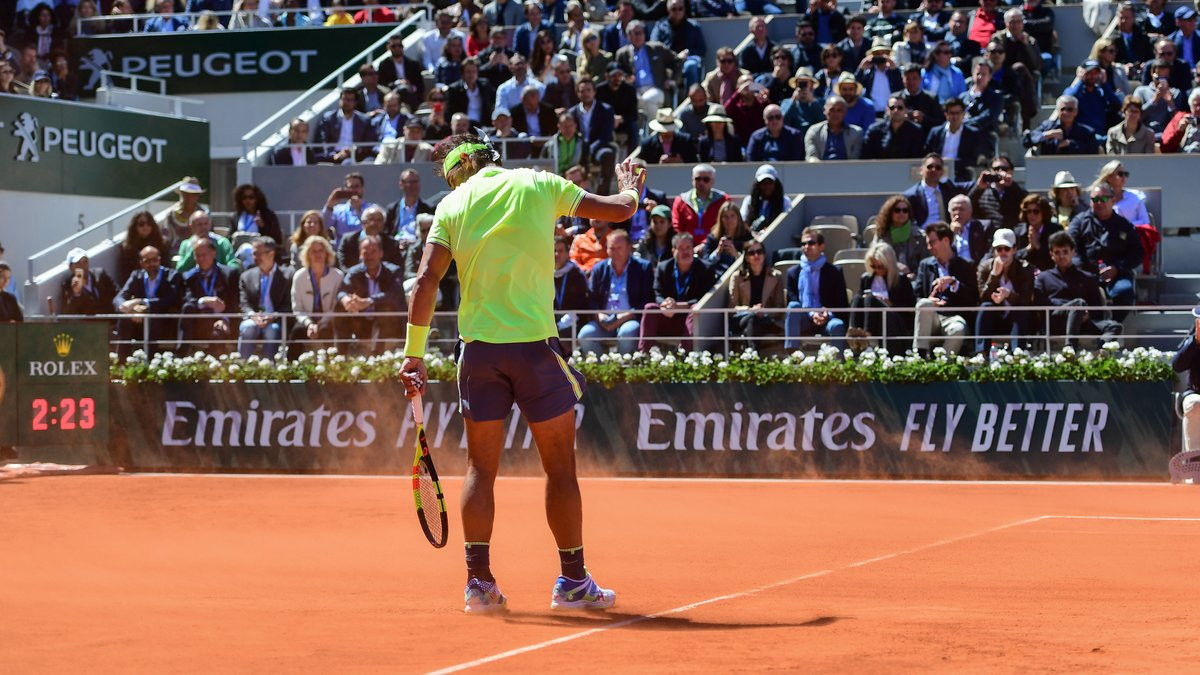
x: 430, y: 503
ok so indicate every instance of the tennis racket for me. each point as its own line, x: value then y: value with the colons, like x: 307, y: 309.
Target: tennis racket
x: 427, y: 490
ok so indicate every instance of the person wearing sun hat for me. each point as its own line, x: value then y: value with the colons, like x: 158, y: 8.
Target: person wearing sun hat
x: 879, y: 76
x: 174, y: 225
x: 719, y: 143
x: 1065, y: 198
x: 859, y: 110
x: 802, y: 109
x: 668, y: 145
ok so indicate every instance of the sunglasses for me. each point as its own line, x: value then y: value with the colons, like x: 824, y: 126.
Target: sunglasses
x: 774, y: 117
x: 896, y: 107
x: 702, y: 179
x: 809, y: 242
x: 1101, y: 199
x: 1123, y: 174
x: 1001, y: 249
x: 942, y: 51
x: 900, y: 209
x: 756, y: 251
x: 726, y: 60
x: 1006, y: 169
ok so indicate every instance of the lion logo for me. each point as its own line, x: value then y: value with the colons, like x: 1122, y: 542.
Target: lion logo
x: 26, y: 130
x: 92, y: 63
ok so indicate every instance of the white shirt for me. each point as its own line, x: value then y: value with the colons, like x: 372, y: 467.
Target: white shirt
x: 298, y: 156
x: 962, y: 245
x: 1133, y: 207
x: 585, y: 118
x: 474, y: 104
x: 931, y: 202
x: 950, y: 145
x: 346, y: 134
x: 880, y: 90
x: 432, y: 44
x: 508, y: 94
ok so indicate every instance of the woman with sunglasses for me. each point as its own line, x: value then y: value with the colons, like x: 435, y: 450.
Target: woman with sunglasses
x: 1129, y: 203
x: 251, y: 213
x: 756, y: 287
x: 449, y: 66
x: 883, y: 286
x: 1034, y: 230
x: 894, y: 226
x: 142, y: 232
x: 592, y: 61
x: 941, y: 77
x: 1130, y: 136
x: 726, y: 240
x: 539, y: 60
x: 655, y: 245
x: 437, y: 128
x: 1115, y: 81
x: 831, y: 67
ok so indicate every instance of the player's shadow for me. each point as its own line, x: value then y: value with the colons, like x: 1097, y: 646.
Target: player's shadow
x: 646, y: 622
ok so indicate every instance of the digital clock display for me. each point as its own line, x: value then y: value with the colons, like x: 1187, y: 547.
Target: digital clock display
x: 68, y: 414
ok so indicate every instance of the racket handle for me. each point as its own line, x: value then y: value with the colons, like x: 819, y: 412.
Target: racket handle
x: 418, y: 409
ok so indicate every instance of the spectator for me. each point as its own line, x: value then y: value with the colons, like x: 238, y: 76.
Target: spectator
x: 370, y: 287
x: 1023, y: 52
x: 679, y: 283
x: 314, y: 296
x: 265, y: 292
x: 778, y: 81
x: 713, y: 9
x: 200, y: 225
x: 433, y: 42
x: 371, y: 93
x: 42, y: 86
x: 806, y: 51
x: 532, y: 117
x: 1061, y: 134
x: 757, y: 7
x: 924, y: 109
x: 756, y: 57
x: 372, y: 226
x: 614, y: 36
x: 913, y: 48
x: 683, y: 37
x: 941, y: 77
x: 766, y: 200
x: 1186, y: 40
x: 560, y: 92
x: 402, y: 74
x: 775, y: 142
x: 817, y: 288
x: 1067, y: 286
x: 1065, y: 199
x: 1130, y: 41
x: 62, y: 80
x: 165, y: 21
x: 746, y: 107
x: 504, y: 12
x: 726, y: 240
x: 297, y: 152
x: 930, y: 197
x: 1130, y: 136
x: 655, y: 245
x: 971, y: 237
x: 449, y: 65
x: 8, y: 83
x: 695, y: 211
x: 510, y: 93
x: 1156, y: 20
x: 1095, y: 103
x: 833, y: 139
x: 955, y: 140
x: 854, y: 46
x: 933, y: 19
x: 79, y: 24
x: 802, y: 109
x: 209, y: 288
x: 10, y: 309
x: 311, y: 225
x: 883, y: 286
x: 400, y: 222
x: 1033, y: 233
x: 376, y: 15
x: 571, y: 41
x: 596, y: 122
x: 153, y: 291
x: 860, y: 111
x: 414, y: 253
x: 85, y: 291
x: 1115, y: 79
x: 338, y: 15
x: 829, y: 24
x: 668, y: 145
x: 1039, y: 23
x: 831, y: 67
x: 590, y: 247
x: 28, y: 67
x: 1108, y: 246
x: 572, y: 147
x: 592, y: 61
x: 251, y: 213
x: 620, y: 284
x: 894, y: 225
x: 1004, y: 280
x: 965, y: 49
x: 984, y: 22
x: 511, y: 145
x: 886, y: 23
x: 1127, y: 202
x: 570, y: 290
x: 983, y: 100
x: 523, y: 40
x: 944, y: 283
x: 175, y: 226
x: 1159, y: 99
x: 877, y: 78
x: 1183, y: 132
x: 894, y: 137
x: 1181, y: 75
x: 542, y: 60
x: 10, y: 284
x: 246, y: 15
x: 389, y: 122
x: 695, y: 110
x: 622, y: 98
x: 995, y: 196
x: 410, y: 149
x: 1184, y: 361
x: 755, y: 288
x: 649, y: 62
x: 344, y: 217
x: 142, y: 232
x: 344, y: 131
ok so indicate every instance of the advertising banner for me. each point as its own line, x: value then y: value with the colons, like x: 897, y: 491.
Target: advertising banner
x: 8, y: 384
x: 958, y: 430
x: 203, y: 62
x: 73, y: 148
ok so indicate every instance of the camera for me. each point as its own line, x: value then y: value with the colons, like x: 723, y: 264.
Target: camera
x: 879, y: 60
x: 991, y: 177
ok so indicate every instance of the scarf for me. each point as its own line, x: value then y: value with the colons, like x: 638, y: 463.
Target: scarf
x: 809, y: 282
x: 900, y: 234
x: 945, y: 78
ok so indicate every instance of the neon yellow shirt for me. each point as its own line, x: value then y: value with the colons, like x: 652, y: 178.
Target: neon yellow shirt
x: 499, y: 225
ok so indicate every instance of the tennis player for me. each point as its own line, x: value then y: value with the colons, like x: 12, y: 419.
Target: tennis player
x: 499, y: 225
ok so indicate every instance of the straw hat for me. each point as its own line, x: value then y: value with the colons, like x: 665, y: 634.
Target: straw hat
x: 664, y: 121
x: 880, y: 44
x: 191, y: 185
x: 802, y: 73
x: 845, y: 77
x: 1064, y: 179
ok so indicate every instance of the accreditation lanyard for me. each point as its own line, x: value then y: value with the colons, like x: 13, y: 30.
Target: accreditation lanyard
x: 681, y: 284
x: 316, y: 291
x: 208, y: 282
x: 264, y: 290
x: 560, y: 292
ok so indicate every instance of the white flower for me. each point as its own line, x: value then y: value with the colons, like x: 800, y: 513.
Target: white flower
x: 233, y: 370
x: 355, y: 372
x: 1060, y: 359
x: 939, y: 351
x: 320, y: 370
x: 162, y: 374
x: 436, y: 363
x: 1069, y: 351
x: 333, y: 350
x: 1110, y: 346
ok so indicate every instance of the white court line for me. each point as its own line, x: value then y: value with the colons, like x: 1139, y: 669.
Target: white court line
x: 684, y: 608
x: 1164, y: 519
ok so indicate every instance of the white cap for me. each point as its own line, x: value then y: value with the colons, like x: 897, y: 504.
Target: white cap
x: 766, y: 171
x: 75, y: 255
x: 1004, y: 237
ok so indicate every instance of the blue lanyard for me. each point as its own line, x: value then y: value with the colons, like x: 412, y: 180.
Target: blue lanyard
x: 316, y: 290
x: 152, y: 285
x: 681, y: 287
x: 208, y: 282
x: 264, y: 287
x: 560, y: 292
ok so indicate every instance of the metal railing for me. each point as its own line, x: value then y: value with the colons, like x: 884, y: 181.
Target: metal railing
x: 107, y: 86
x: 55, y: 251
x: 262, y: 140
x: 540, y: 148
x: 316, y: 17
x: 1041, y: 336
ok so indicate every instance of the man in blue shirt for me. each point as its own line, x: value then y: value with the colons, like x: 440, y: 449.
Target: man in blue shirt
x: 1095, y: 102
x: 775, y: 142
x: 346, y: 217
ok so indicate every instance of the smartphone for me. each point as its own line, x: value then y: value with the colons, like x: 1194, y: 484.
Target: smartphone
x: 438, y: 106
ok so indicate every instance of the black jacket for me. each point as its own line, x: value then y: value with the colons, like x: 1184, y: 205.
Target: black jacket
x: 1114, y: 242
x: 971, y: 146
x: 694, y: 285
x: 733, y: 149
x: 926, y: 104
x: 250, y: 290
x: 1055, y: 287
x: 571, y: 289
x: 270, y: 224
x: 1039, y: 257
x: 883, y: 142
x: 1187, y: 357
x: 97, y: 300
x: 600, y: 131
x: 683, y: 146
x: 10, y: 309
x: 391, y: 222
x: 900, y: 294
x: 457, y: 102
x: 224, y: 286
x: 916, y: 198
x: 990, y: 203
x: 1081, y: 139
x: 348, y: 250
x: 964, y: 297
x: 167, y: 299
x: 390, y: 297
x: 1020, y: 275
x: 832, y: 284
x: 547, y: 120
x: 328, y: 129
x: 283, y: 156
x: 750, y: 61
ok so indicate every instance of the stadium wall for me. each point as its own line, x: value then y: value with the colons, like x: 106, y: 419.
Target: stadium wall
x: 1071, y: 430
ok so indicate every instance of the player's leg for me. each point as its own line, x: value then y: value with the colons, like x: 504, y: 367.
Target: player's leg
x: 555, y: 440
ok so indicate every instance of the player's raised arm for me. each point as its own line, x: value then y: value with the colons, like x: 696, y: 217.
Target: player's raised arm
x: 621, y: 206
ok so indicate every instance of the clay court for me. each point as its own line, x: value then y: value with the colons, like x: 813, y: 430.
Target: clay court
x: 155, y: 573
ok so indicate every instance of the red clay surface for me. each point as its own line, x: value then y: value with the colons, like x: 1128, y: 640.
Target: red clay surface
x: 332, y: 575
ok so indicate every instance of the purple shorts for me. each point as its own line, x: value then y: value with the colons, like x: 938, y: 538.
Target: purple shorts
x: 534, y: 375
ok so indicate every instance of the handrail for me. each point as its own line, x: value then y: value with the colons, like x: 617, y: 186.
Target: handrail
x: 58, y: 246
x: 264, y: 11
x: 107, y: 75
x: 338, y: 74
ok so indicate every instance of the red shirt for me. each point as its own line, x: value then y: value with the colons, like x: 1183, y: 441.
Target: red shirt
x: 685, y: 219
x: 475, y: 46
x: 982, y: 27
x: 378, y: 15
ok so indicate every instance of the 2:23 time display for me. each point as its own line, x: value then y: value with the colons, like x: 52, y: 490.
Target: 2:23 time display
x: 68, y: 414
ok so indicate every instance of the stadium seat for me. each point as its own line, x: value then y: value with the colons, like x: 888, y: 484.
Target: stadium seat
x: 850, y: 254
x: 784, y: 254
x: 851, y: 270
x: 837, y: 238
x: 850, y: 222
x: 785, y: 265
